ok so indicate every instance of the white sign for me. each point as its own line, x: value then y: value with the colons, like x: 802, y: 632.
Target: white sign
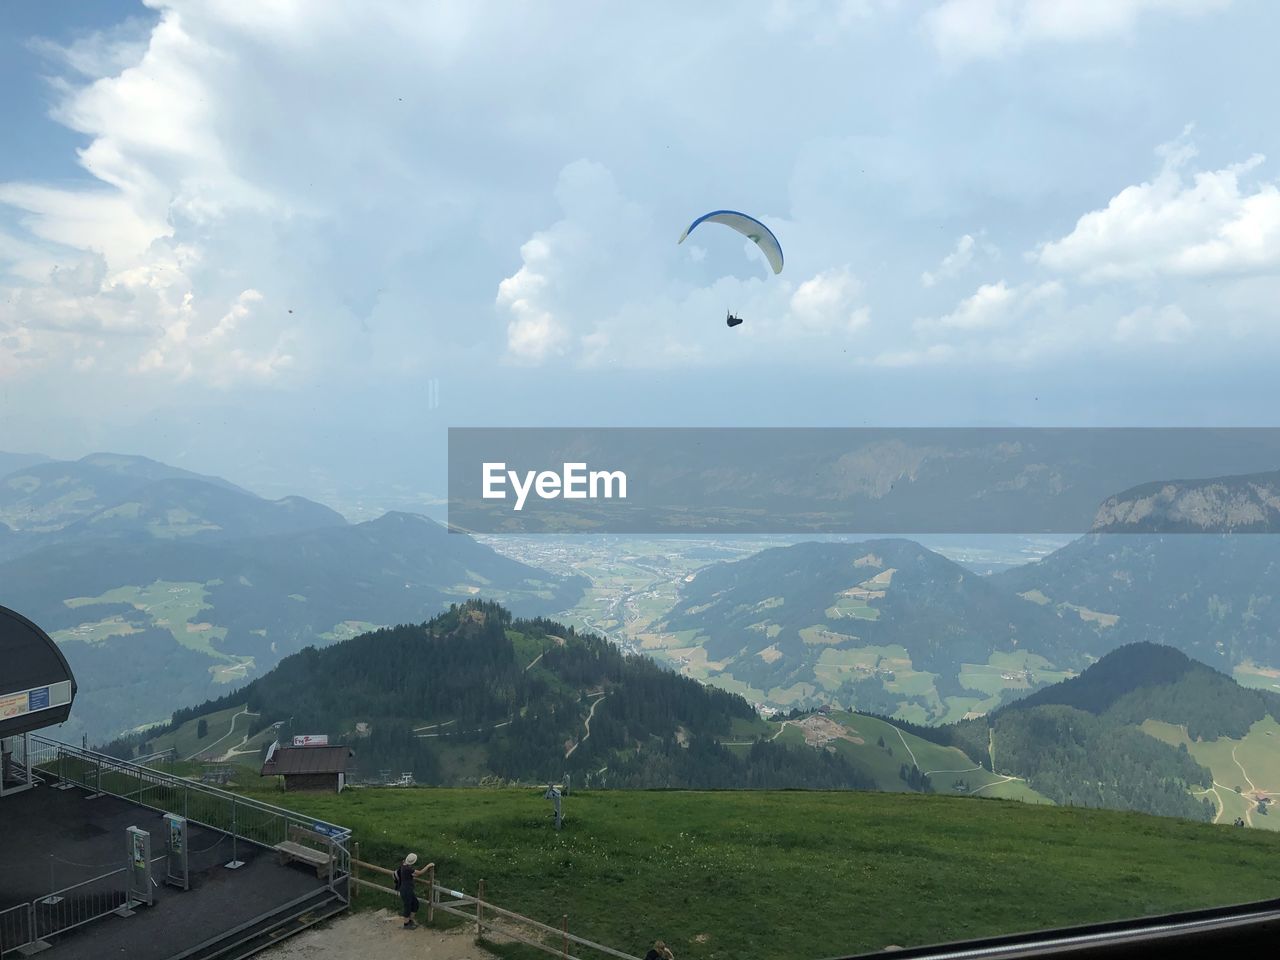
x: 311, y: 740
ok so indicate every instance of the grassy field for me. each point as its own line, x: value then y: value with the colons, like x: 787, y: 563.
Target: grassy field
x: 801, y: 874
x: 1250, y: 674
x: 171, y: 606
x: 1251, y: 764
x: 226, y: 728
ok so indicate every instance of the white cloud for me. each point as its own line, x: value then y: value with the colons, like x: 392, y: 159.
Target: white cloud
x: 1205, y: 225
x: 972, y: 29
x: 959, y: 260
x: 828, y: 303
x: 1168, y: 324
x: 998, y: 322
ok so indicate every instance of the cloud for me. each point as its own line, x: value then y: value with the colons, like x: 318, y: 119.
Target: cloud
x: 999, y: 322
x: 973, y: 29
x: 828, y: 303
x: 1168, y: 324
x: 603, y: 286
x: 1176, y: 226
x: 958, y: 261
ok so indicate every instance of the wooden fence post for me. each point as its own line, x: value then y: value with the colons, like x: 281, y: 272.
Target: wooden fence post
x: 431, y: 893
x: 355, y: 869
x: 480, y: 911
x: 564, y: 929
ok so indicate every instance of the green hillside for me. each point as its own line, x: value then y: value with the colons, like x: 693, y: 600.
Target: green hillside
x: 881, y: 625
x: 801, y: 875
x: 475, y: 693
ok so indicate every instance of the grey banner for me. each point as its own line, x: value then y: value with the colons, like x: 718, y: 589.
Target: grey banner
x: 864, y: 480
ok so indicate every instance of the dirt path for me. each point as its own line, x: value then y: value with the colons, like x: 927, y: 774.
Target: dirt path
x: 908, y: 746
x: 1248, y: 819
x: 244, y: 712
x: 1004, y: 778
x: 590, y: 714
x: 1220, y: 807
x: 1252, y: 785
x: 377, y: 935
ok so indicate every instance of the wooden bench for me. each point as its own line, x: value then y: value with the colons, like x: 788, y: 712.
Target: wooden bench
x: 294, y: 849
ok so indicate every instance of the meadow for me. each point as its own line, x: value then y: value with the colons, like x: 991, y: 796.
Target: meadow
x: 799, y: 874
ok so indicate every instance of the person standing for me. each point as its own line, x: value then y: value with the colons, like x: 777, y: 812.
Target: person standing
x: 405, y: 877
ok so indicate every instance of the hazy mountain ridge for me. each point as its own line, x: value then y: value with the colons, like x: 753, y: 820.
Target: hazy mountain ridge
x: 108, y: 495
x: 120, y: 554
x: 1213, y: 596
x: 1239, y: 504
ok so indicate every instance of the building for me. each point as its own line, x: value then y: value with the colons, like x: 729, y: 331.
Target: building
x: 309, y: 768
x: 36, y: 690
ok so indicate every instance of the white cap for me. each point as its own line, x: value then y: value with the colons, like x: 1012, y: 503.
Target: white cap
x: 411, y: 859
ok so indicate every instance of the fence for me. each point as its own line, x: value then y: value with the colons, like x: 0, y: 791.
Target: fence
x: 485, y: 915
x: 15, y: 927
x: 241, y: 818
x: 61, y: 910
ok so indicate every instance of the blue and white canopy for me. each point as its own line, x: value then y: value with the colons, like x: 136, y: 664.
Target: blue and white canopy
x: 749, y: 227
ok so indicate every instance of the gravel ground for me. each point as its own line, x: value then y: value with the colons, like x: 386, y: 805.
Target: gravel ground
x: 377, y: 935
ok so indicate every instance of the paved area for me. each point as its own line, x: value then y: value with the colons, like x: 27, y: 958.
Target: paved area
x: 51, y: 839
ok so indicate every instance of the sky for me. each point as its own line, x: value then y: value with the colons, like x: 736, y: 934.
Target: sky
x: 292, y: 242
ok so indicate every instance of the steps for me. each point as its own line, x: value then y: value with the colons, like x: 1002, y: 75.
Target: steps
x: 267, y: 932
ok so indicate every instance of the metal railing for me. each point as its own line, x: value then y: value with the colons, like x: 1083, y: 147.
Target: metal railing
x: 241, y: 818
x: 61, y: 910
x: 15, y: 927
x: 79, y: 904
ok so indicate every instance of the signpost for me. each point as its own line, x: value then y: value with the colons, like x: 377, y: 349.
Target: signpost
x: 139, y: 871
x: 176, y: 873
x: 553, y: 794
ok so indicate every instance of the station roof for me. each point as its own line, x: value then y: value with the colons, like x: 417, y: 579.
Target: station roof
x: 36, y: 683
x: 300, y: 760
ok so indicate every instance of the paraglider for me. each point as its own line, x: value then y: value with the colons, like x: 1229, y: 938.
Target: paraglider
x: 753, y: 230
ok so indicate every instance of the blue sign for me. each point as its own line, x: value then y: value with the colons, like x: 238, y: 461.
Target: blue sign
x: 38, y: 699
x: 327, y: 830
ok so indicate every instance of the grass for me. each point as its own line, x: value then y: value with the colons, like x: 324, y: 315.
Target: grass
x: 171, y: 605
x: 801, y: 874
x: 187, y: 744
x: 1256, y: 759
x: 1249, y: 674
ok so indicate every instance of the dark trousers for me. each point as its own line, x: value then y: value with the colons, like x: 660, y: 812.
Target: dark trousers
x: 408, y: 904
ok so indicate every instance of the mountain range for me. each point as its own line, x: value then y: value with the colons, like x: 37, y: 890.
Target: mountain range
x: 162, y: 586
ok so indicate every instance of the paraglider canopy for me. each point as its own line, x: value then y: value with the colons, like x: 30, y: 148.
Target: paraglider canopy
x: 749, y: 227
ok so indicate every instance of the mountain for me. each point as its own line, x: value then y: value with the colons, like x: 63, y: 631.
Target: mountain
x: 1238, y: 504
x: 151, y: 625
x: 180, y: 507
x: 1145, y: 728
x: 1213, y: 596
x: 879, y: 623
x: 10, y: 462
x: 475, y: 688
x: 52, y: 495
x: 1149, y: 681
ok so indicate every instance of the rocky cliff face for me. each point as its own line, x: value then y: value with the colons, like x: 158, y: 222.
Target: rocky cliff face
x: 1247, y: 504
